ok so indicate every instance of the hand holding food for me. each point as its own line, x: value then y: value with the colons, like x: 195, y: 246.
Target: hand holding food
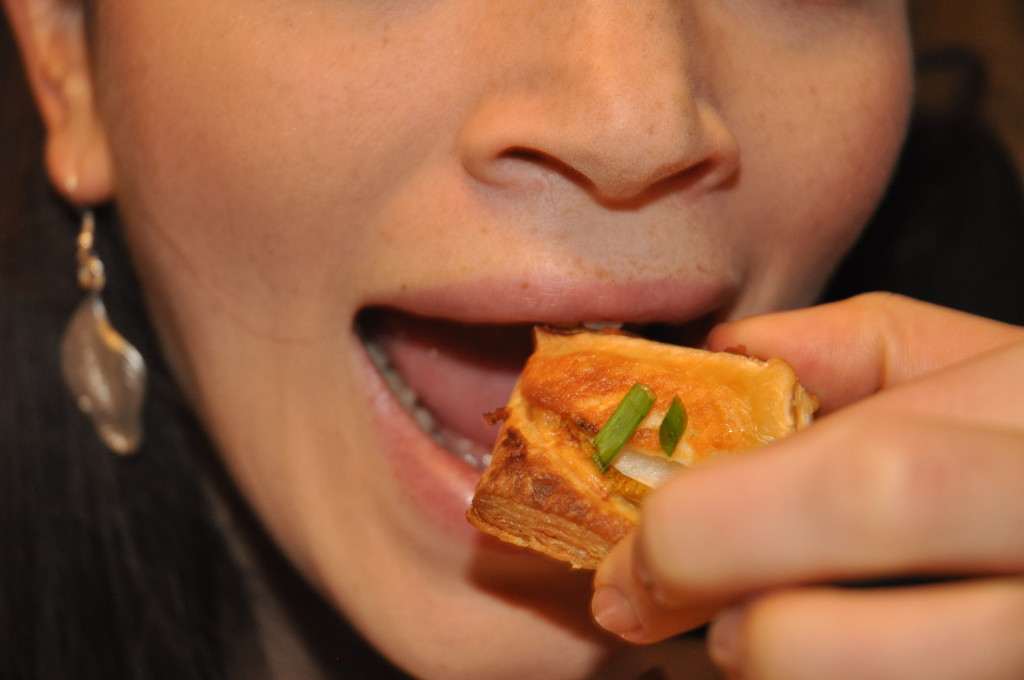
x: 909, y: 487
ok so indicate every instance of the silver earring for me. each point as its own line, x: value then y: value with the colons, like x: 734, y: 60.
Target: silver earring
x: 104, y: 372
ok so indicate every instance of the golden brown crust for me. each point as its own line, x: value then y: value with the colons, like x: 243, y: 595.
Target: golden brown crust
x: 543, y: 491
x: 733, y: 402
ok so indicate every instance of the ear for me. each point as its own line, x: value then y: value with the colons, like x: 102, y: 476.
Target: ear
x: 51, y: 35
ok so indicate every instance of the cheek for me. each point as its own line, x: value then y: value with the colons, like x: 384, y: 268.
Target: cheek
x: 825, y: 140
x: 250, y: 158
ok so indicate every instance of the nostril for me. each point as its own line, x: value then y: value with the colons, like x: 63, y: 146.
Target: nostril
x: 532, y: 159
x: 707, y: 173
x: 524, y: 154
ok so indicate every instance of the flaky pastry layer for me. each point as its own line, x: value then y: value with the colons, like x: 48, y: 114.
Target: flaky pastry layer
x: 542, y: 490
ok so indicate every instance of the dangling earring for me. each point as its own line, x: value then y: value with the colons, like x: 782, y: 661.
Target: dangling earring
x: 104, y: 372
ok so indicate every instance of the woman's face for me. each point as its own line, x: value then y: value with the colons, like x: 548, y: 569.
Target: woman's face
x: 301, y: 179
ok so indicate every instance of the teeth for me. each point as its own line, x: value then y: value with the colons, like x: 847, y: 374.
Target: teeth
x: 463, y: 447
x: 459, y: 446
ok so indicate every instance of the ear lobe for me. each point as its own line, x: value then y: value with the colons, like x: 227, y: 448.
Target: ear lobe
x: 52, y: 38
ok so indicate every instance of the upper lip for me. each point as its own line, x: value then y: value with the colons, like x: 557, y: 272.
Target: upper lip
x: 565, y: 302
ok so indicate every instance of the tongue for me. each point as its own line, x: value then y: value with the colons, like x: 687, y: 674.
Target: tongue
x: 459, y: 371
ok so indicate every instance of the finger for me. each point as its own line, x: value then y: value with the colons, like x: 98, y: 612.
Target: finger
x: 847, y: 350
x: 631, y: 612
x: 972, y: 630
x: 984, y: 390
x: 919, y: 498
x: 904, y: 497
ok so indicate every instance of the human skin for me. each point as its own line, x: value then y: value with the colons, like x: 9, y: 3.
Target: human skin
x: 914, y: 471
x: 282, y: 165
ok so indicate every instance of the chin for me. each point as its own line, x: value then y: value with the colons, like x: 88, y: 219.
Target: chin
x: 509, y: 645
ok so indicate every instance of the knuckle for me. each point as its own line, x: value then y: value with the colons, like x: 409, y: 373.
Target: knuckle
x: 879, y: 303
x: 884, y: 495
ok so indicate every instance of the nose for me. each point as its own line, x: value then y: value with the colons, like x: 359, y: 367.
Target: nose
x: 607, y: 94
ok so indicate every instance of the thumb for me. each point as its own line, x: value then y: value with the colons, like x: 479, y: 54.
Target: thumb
x: 845, y: 351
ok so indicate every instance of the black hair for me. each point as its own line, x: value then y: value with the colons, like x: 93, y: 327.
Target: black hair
x: 120, y: 568
x: 111, y: 568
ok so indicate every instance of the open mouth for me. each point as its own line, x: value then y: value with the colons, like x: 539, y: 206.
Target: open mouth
x: 447, y: 374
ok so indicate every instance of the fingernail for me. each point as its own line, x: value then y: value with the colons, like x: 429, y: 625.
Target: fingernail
x: 724, y: 640
x: 614, y: 612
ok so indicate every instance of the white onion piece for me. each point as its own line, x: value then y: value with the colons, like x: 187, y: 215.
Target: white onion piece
x: 648, y: 469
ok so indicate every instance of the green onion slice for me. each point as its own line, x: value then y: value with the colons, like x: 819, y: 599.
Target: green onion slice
x: 673, y: 426
x: 620, y: 427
